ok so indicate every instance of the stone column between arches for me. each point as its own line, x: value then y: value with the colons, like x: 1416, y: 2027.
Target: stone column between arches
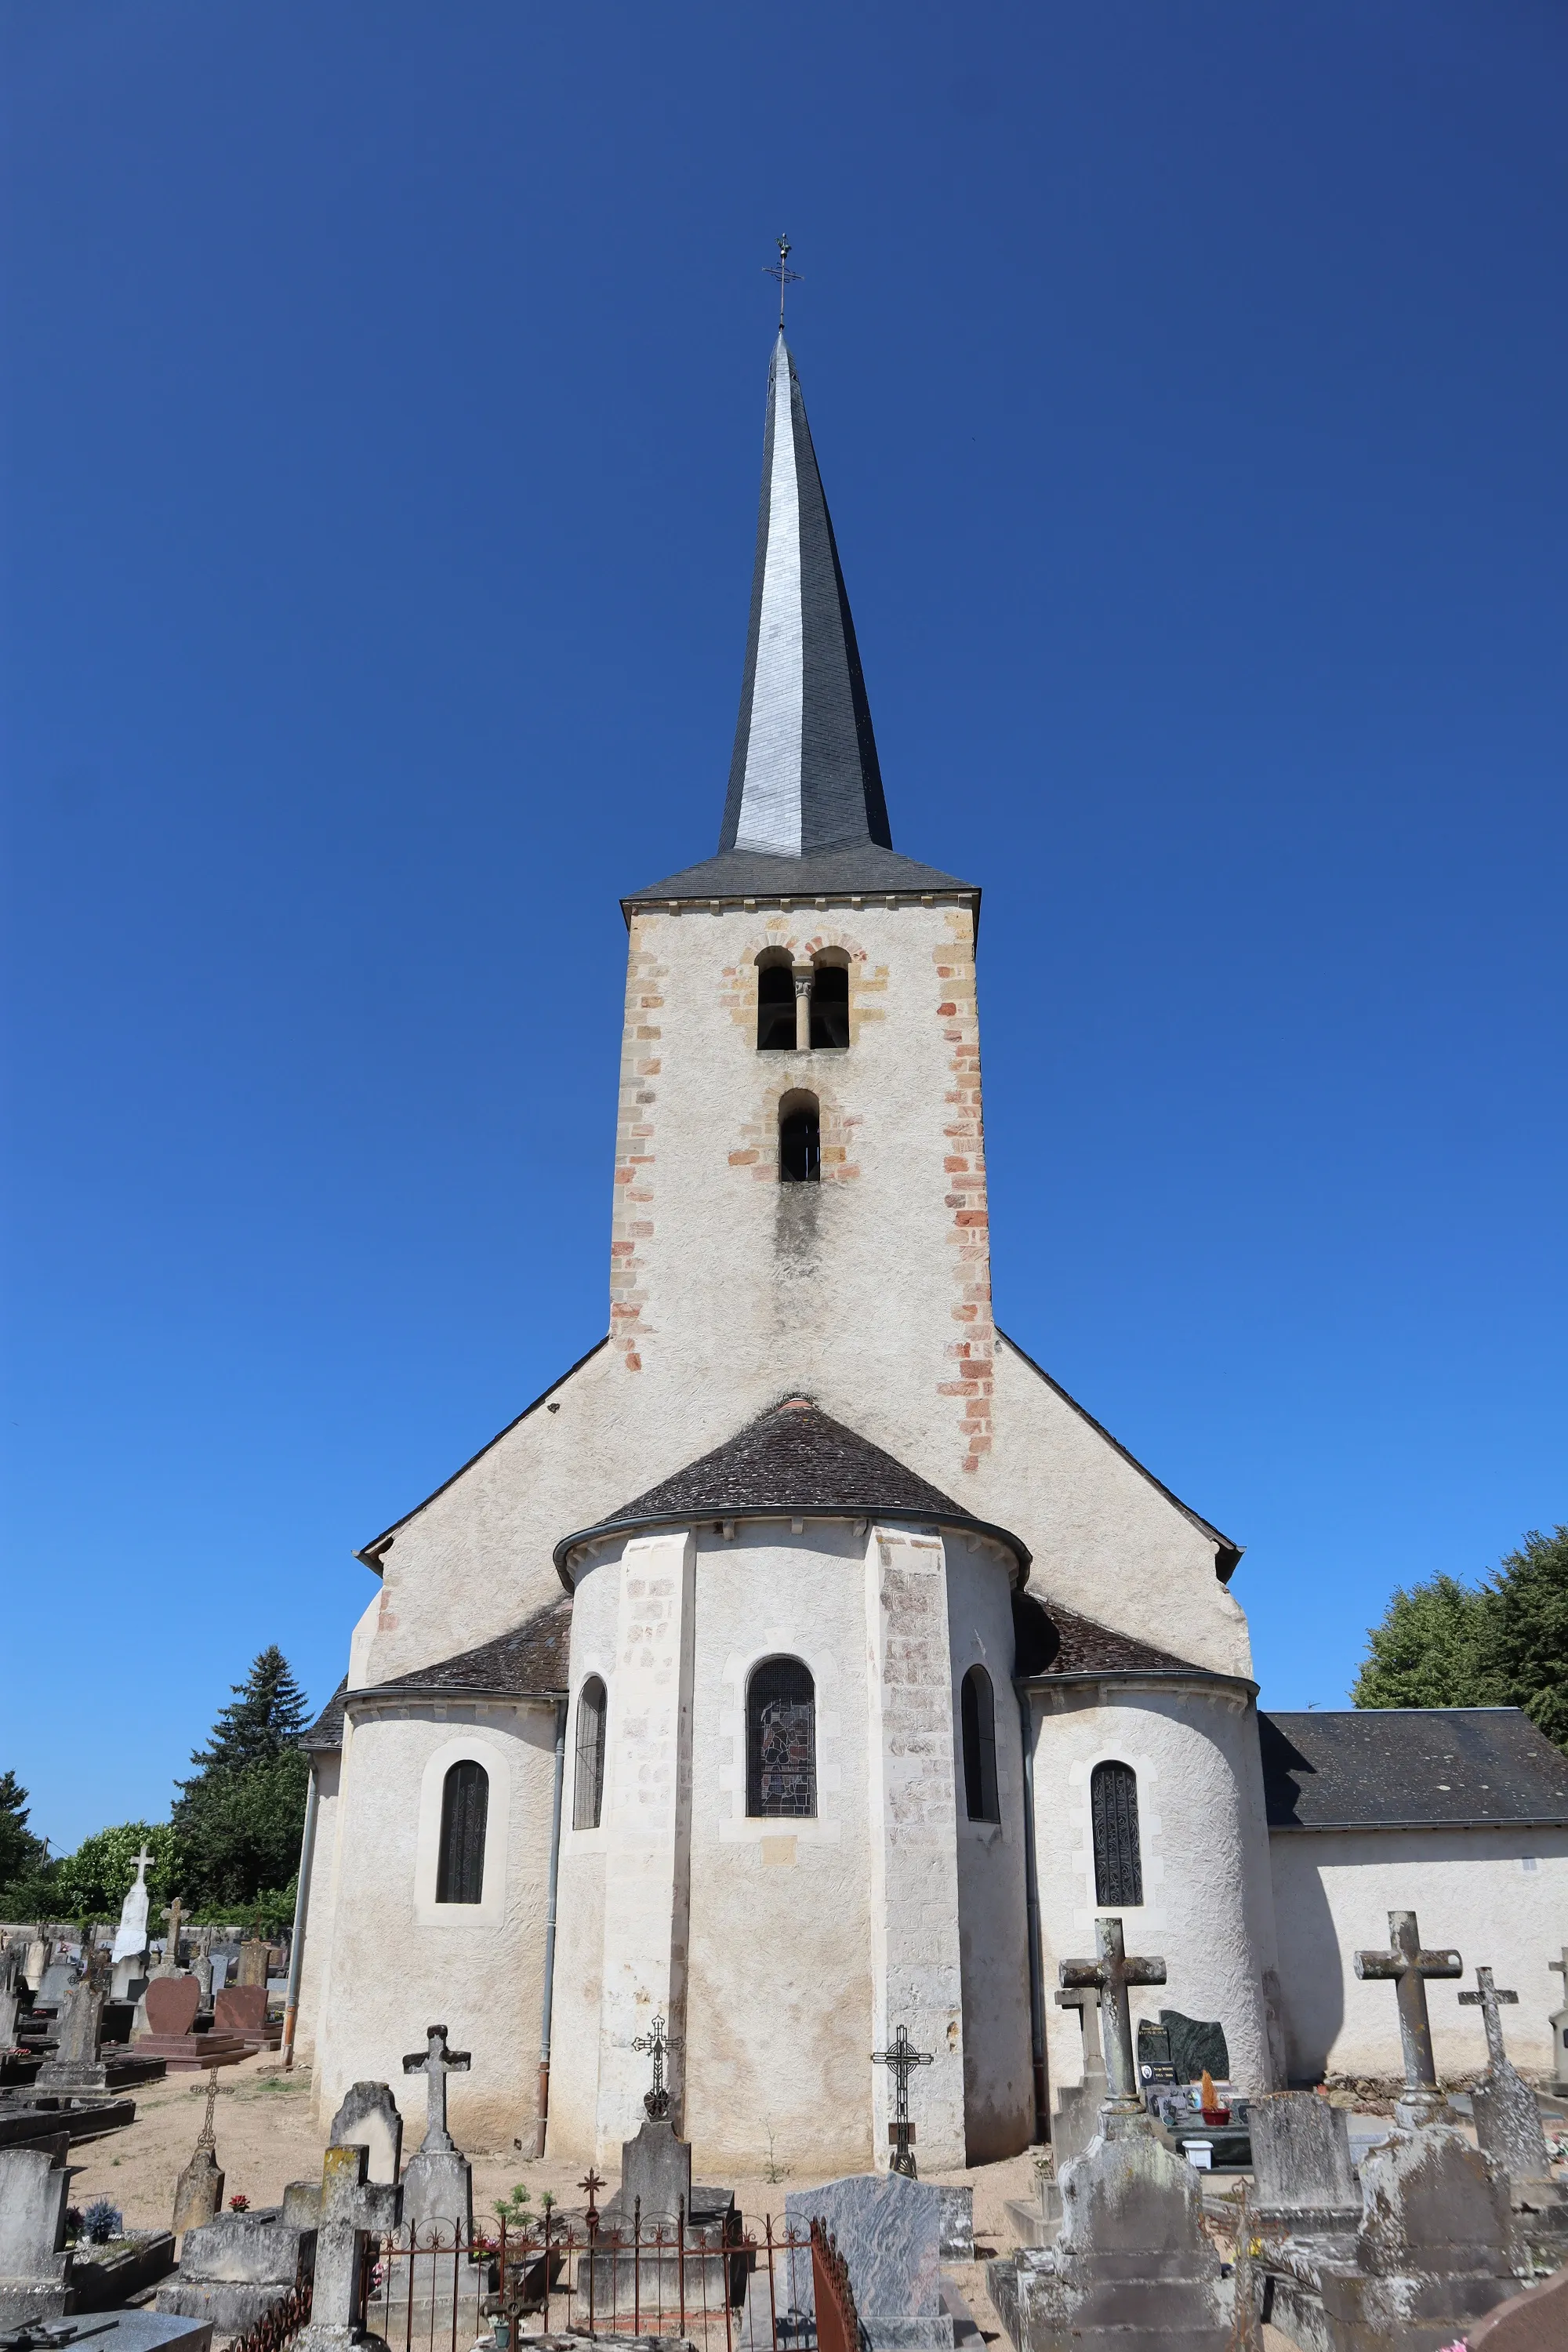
x: 915, y: 1966
x: 647, y: 1875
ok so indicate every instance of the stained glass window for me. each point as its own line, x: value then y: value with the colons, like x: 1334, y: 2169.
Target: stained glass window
x: 1113, y: 1810
x: 781, y: 1740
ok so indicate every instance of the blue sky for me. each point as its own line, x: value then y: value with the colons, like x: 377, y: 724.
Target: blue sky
x: 383, y: 423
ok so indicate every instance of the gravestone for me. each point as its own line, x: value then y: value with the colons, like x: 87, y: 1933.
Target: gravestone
x: 36, y: 1961
x: 75, y: 2064
x: 11, y: 1982
x: 1077, y: 2118
x: 1155, y: 2064
x: 1303, y: 2176
x: 253, y: 1963
x: 34, y: 2268
x: 1407, y: 1965
x: 131, y: 1935
x: 352, y: 2210
x: 697, y: 2265
x: 889, y: 2230
x: 438, y: 2186
x: 202, y: 1966
x: 55, y: 1983
x: 1197, y: 2047
x: 369, y: 2118
x: 242, y: 2010
x: 1507, y: 2116
x: 1132, y: 2270
x: 198, y: 2192
x: 1559, y: 2022
x: 172, y: 2004
x: 237, y: 2266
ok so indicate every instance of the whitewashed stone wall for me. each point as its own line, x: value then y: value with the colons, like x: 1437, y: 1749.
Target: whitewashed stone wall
x: 1498, y: 1896
x: 1206, y: 1909
x: 397, y: 1962
x: 320, y: 1905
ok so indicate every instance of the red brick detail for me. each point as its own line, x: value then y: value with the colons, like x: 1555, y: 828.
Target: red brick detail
x: 970, y: 1351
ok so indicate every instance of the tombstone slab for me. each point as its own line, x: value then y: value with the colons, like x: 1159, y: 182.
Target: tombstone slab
x: 1304, y: 2177
x: 888, y: 2230
x: 369, y: 2118
x: 172, y: 2004
x: 76, y: 2064
x: 34, y: 2268
x: 1132, y: 2270
x: 236, y: 2266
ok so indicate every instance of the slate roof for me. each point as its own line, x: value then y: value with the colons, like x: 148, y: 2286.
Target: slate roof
x: 1420, y: 1768
x: 1051, y: 1639
x: 795, y: 1461
x: 806, y: 815
x: 528, y: 1663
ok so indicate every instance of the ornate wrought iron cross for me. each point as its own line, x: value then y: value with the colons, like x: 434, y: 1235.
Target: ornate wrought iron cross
x: 1409, y: 1966
x: 900, y: 2056
x: 784, y: 273
x: 653, y: 2044
x: 207, y: 2136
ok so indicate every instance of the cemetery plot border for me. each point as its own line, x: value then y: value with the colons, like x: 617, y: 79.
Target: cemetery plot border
x: 438, y: 2290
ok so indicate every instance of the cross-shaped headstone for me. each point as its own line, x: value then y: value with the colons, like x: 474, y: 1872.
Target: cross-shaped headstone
x: 654, y: 2043
x: 436, y: 2062
x: 351, y: 2209
x: 899, y: 2057
x: 1487, y: 1999
x: 170, y: 1959
x: 1112, y: 1974
x: 143, y: 1861
x: 1085, y: 1998
x: 1409, y: 1967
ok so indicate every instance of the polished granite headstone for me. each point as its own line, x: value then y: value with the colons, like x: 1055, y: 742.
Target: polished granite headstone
x: 889, y: 2230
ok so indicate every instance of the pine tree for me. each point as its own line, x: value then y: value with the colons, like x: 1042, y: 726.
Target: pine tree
x: 1428, y: 1652
x: 21, y: 1853
x: 1526, y: 1641
x: 239, y: 1816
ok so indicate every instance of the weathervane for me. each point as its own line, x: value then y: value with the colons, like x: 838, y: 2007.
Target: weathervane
x: 784, y: 273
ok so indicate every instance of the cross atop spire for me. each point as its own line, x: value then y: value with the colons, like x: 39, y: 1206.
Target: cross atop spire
x: 784, y: 273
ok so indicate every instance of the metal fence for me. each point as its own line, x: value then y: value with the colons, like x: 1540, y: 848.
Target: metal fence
x: 719, y: 2286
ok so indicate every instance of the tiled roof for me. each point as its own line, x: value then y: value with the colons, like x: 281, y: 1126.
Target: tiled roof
x: 856, y: 866
x: 1387, y: 1767
x: 528, y: 1663
x: 1051, y: 1640
x: 794, y: 1460
x: 327, y: 1731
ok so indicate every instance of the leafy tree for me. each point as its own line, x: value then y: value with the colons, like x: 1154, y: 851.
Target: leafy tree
x: 21, y: 1852
x: 1427, y: 1652
x: 239, y: 1816
x: 92, y: 1882
x: 1503, y: 1643
x: 1526, y: 1645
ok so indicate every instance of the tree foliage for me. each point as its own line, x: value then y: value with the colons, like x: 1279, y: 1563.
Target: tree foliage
x: 92, y: 1882
x: 239, y: 1816
x: 21, y: 1852
x: 1500, y: 1644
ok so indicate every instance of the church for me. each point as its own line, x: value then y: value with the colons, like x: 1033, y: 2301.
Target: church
x: 805, y: 1663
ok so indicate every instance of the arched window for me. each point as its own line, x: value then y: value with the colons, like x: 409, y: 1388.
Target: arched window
x: 1113, y: 1813
x: 465, y: 1803
x: 977, y: 1712
x: 800, y: 1140
x: 781, y: 1740
x: 776, y: 1008
x: 830, y: 1007
x: 588, y: 1776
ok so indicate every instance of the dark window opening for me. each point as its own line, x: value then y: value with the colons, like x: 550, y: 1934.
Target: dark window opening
x: 978, y: 1714
x: 830, y: 1007
x: 465, y: 1803
x: 1113, y: 1813
x: 775, y: 1009
x: 800, y: 1147
x: 588, y: 1777
x: 781, y: 1742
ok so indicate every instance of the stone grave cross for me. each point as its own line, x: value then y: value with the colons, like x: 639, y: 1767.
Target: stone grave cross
x: 1487, y: 1997
x: 353, y: 2209
x: 436, y: 2062
x: 1085, y: 1998
x: 899, y: 2057
x: 1112, y: 1974
x: 1409, y: 1966
x: 170, y: 1964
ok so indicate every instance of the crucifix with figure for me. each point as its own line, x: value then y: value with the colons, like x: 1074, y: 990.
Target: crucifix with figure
x: 899, y: 2057
x: 1408, y: 1968
x: 1110, y: 1975
x: 436, y: 2062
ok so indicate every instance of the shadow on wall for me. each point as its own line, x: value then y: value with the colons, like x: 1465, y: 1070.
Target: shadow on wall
x: 1311, y: 1970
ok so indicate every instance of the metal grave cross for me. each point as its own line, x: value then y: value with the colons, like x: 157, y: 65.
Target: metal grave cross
x: 899, y: 2056
x: 1113, y: 1973
x: 1487, y: 1999
x: 1409, y: 1967
x: 654, y: 2043
x: 436, y: 2062
x: 207, y: 2136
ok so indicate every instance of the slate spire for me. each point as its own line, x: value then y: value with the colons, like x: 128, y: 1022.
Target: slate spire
x: 805, y: 775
